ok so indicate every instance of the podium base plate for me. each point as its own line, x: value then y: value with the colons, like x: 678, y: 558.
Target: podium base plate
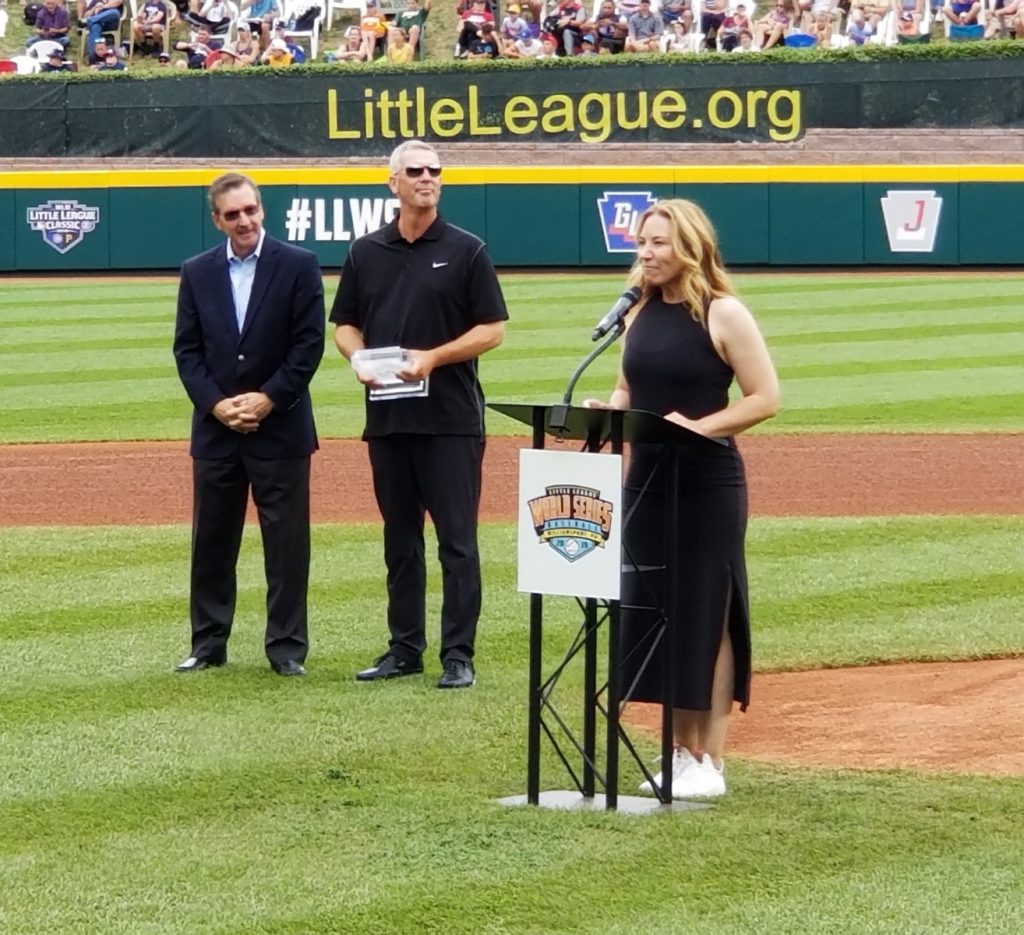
x: 571, y: 800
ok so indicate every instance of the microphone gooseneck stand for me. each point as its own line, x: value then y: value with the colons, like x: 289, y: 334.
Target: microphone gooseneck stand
x: 560, y: 411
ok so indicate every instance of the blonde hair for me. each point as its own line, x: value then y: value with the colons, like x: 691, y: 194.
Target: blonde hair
x: 703, y: 276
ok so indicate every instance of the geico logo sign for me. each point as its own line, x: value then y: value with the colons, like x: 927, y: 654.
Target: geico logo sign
x: 337, y: 219
x: 911, y: 220
x: 63, y: 222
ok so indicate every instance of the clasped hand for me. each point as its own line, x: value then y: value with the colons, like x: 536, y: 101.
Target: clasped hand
x: 245, y: 412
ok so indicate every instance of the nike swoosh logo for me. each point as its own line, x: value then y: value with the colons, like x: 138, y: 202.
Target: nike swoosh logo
x: 439, y: 265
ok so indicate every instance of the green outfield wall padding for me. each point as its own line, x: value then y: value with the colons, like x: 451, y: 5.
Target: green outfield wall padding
x: 825, y: 223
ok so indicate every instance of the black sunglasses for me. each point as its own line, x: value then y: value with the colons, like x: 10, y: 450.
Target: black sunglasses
x: 414, y: 172
x: 250, y: 211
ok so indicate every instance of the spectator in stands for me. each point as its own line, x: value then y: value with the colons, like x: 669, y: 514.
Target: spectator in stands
x: 57, y: 62
x: 588, y: 44
x: 148, y: 26
x: 261, y: 16
x: 821, y: 29
x: 679, y: 37
x: 566, y: 25
x: 874, y: 11
x: 1007, y: 16
x: 52, y: 23
x: 469, y: 25
x: 736, y: 20
x: 398, y: 52
x: 351, y: 48
x: 215, y: 15
x: 99, y: 53
x: 485, y: 45
x: 528, y: 46
x: 513, y: 26
x: 163, y: 59
x: 771, y: 28
x: 295, y: 50
x: 241, y: 53
x: 412, y: 19
x: 962, y: 12
x: 373, y: 28
x: 746, y: 41
x: 610, y: 27
x: 277, y: 54
x: 673, y: 9
x: 712, y: 15
x: 811, y: 10
x: 547, y: 45
x: 98, y: 17
x: 858, y: 29
x: 112, y: 62
x: 644, y: 30
x: 196, y: 50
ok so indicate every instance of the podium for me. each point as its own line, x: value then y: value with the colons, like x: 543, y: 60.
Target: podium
x: 597, y: 431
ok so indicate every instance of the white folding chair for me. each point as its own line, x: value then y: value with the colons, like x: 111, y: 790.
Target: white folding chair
x: 293, y: 9
x: 340, y: 6
x: 3, y: 22
x: 26, y: 64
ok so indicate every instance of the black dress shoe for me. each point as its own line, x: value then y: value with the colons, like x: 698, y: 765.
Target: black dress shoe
x: 195, y: 664
x: 288, y: 667
x: 389, y: 667
x: 457, y: 674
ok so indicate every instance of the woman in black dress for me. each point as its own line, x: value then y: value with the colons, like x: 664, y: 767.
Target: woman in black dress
x: 686, y: 340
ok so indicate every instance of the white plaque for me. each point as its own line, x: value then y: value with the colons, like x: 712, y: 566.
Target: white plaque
x: 570, y: 520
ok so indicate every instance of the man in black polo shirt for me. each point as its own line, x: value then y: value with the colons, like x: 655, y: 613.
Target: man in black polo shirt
x: 422, y: 284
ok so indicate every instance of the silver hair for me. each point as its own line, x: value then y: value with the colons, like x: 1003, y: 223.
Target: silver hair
x: 395, y: 163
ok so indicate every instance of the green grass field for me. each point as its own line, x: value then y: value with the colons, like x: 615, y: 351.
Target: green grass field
x: 136, y: 801
x: 937, y: 353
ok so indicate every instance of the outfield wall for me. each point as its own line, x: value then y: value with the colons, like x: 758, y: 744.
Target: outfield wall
x: 536, y: 216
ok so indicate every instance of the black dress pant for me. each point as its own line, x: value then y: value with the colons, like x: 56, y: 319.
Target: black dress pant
x: 280, y: 491
x: 437, y: 474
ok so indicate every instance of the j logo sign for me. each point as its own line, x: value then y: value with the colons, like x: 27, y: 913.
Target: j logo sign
x: 911, y: 220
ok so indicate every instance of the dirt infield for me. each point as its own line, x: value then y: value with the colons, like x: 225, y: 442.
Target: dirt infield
x: 952, y: 717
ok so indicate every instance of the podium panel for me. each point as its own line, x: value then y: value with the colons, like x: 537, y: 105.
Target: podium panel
x: 570, y: 523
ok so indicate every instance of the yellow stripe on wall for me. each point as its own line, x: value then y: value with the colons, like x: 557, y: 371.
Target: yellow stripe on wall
x: 508, y: 175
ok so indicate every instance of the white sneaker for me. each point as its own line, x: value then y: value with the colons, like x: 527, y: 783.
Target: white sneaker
x: 682, y: 761
x: 703, y: 780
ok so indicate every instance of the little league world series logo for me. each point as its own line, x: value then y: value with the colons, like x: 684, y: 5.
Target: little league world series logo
x: 572, y: 520
x: 620, y: 213
x: 63, y: 223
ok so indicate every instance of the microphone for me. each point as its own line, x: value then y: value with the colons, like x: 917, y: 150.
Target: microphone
x: 613, y: 319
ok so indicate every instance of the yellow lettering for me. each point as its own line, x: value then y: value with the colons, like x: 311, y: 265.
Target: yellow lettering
x: 447, y: 117
x: 668, y: 110
x: 752, y: 98
x: 384, y: 105
x: 599, y: 129
x: 403, y: 105
x: 621, y: 117
x: 734, y: 102
x: 521, y: 108
x: 558, y: 114
x: 784, y: 127
x: 333, y: 130
x: 475, y: 127
x: 368, y: 113
x: 421, y: 112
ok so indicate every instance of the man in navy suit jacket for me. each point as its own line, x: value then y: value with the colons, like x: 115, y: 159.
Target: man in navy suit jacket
x: 248, y: 338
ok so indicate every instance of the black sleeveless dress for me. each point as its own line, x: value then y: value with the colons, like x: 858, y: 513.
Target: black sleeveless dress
x: 671, y: 365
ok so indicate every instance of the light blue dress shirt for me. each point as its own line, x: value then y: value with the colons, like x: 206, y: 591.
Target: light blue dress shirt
x: 242, y: 273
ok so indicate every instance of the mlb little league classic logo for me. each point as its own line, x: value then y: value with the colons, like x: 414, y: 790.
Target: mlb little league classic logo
x: 572, y: 520
x: 63, y: 222
x: 620, y: 214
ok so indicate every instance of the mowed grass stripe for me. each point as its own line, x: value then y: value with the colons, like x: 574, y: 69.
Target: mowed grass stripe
x: 841, y: 348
